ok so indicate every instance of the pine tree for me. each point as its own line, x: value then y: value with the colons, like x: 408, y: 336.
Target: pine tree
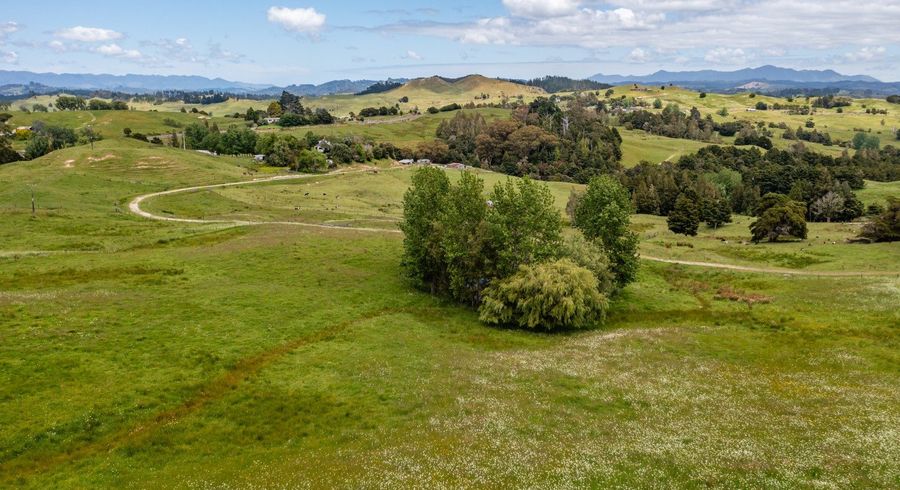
x: 685, y: 217
x: 645, y: 199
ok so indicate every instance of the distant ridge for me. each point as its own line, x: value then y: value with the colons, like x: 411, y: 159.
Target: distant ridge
x: 762, y: 73
x: 23, y: 82
x: 768, y: 79
x: 469, y: 83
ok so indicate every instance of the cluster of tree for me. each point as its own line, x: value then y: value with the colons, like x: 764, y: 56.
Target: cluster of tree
x: 671, y: 122
x: 875, y: 110
x: 293, y: 113
x: 701, y: 203
x: 234, y: 141
x: 812, y: 136
x: 379, y: 111
x: 506, y: 254
x: 831, y: 101
x: 717, y: 175
x: 542, y: 140
x: 748, y: 135
x: 77, y: 103
x: 102, y: 105
x: 893, y: 99
x: 794, y: 109
x: 885, y: 225
x: 380, y: 87
x: 447, y: 108
x: 46, y: 138
x: 864, y: 141
x: 204, y: 98
x: 553, y: 84
x: 70, y: 103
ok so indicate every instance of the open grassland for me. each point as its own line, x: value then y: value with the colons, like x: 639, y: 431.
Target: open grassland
x: 840, y: 125
x: 878, y: 192
x: 168, y: 354
x: 638, y: 146
x: 112, y: 123
x: 825, y: 250
x: 367, y: 199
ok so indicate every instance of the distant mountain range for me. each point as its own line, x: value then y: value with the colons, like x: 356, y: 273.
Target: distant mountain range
x: 14, y: 83
x: 769, y: 79
x: 766, y: 78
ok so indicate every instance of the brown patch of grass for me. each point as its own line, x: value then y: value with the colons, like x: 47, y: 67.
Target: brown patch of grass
x: 728, y: 293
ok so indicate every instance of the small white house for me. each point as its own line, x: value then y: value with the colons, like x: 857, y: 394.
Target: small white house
x: 407, y: 161
x: 259, y: 158
x: 271, y: 120
x: 323, y: 146
x: 423, y: 161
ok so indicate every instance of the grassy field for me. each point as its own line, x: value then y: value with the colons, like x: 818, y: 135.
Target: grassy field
x: 878, y: 192
x: 139, y: 353
x: 638, y: 146
x: 111, y: 123
x: 840, y: 125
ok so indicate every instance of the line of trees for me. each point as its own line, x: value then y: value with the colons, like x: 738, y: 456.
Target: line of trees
x: 77, y: 103
x: 505, y: 253
x: 671, y: 122
x: 718, y: 180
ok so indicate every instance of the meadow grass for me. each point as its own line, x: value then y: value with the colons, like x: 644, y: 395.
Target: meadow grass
x: 878, y: 192
x: 168, y: 354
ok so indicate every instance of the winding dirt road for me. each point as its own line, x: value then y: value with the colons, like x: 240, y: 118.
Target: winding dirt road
x: 135, y: 207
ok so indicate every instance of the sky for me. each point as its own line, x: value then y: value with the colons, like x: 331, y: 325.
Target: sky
x: 313, y: 41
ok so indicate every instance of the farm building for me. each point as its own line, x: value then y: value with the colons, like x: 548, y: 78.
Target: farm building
x: 323, y: 146
x: 407, y: 161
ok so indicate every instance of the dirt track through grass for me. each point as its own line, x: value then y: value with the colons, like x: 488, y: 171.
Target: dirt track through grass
x: 135, y: 207
x: 217, y: 388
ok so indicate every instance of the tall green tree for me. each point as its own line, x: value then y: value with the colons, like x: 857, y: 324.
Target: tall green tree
x: 423, y: 258
x: 523, y: 224
x: 464, y: 238
x: 603, y: 215
x: 685, y: 217
x: 779, y: 216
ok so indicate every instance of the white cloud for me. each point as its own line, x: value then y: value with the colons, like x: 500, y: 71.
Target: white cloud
x: 487, y: 31
x: 726, y: 56
x: 639, y: 55
x: 8, y: 28
x: 88, y: 34
x: 9, y: 57
x: 57, y: 46
x: 694, y: 26
x: 302, y: 20
x: 117, y: 51
x: 412, y: 55
x: 867, y: 53
x: 541, y: 8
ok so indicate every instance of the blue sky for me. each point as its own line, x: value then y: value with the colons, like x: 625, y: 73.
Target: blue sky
x: 313, y: 41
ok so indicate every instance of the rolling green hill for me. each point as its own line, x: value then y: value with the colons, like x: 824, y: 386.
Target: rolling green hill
x: 147, y: 353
